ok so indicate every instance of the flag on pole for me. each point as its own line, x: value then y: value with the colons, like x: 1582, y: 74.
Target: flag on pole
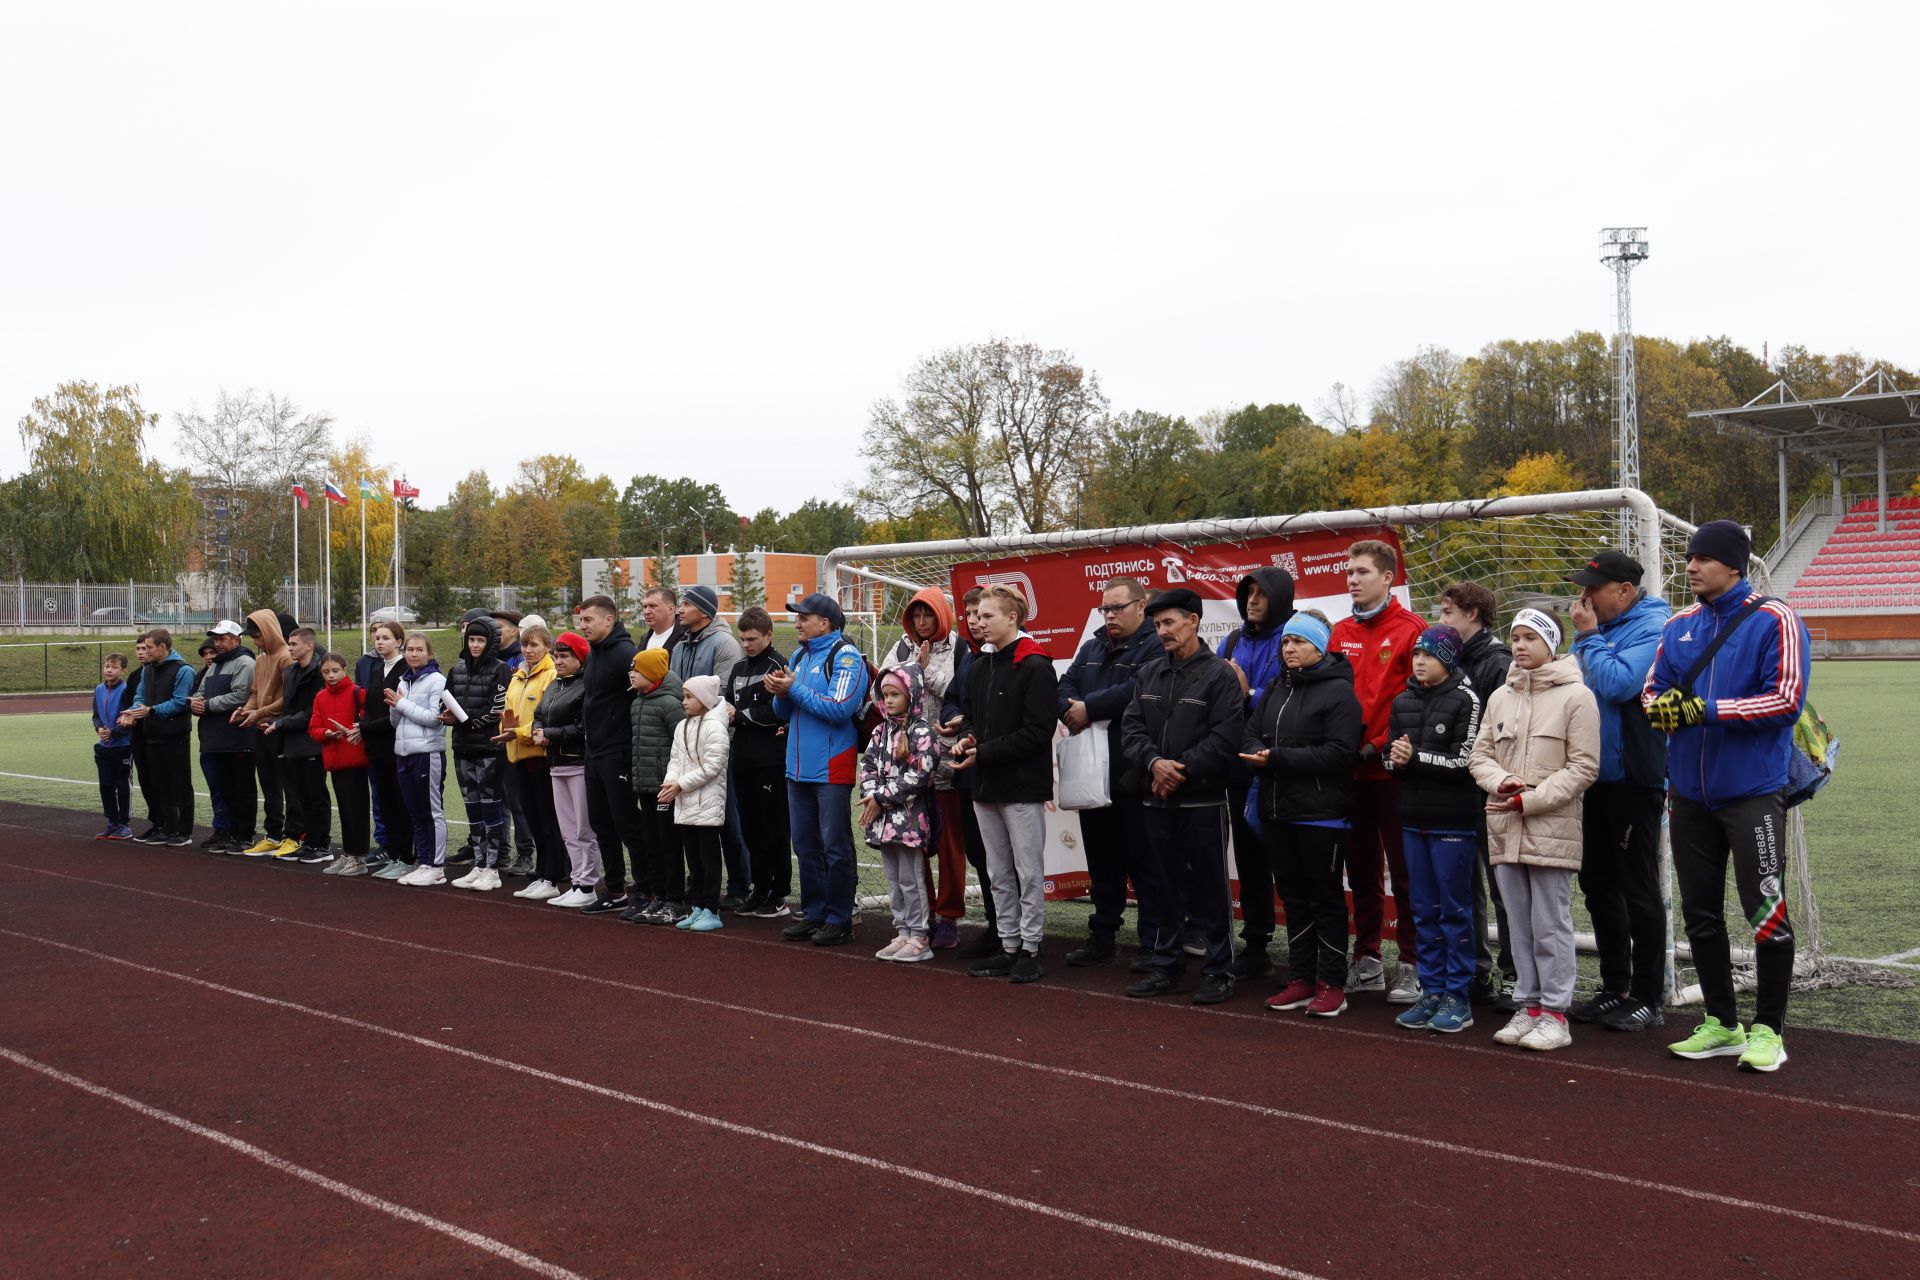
x: 335, y: 494
x: 371, y: 492
x: 401, y: 489
x: 300, y: 492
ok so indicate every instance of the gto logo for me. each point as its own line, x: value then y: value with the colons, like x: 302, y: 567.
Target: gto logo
x: 1016, y: 579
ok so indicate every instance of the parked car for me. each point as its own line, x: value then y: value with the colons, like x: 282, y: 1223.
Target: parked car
x: 118, y: 613
x: 401, y: 614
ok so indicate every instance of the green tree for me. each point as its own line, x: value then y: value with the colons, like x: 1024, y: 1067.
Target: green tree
x: 1149, y: 470
x: 819, y: 526
x: 661, y: 515
x: 93, y: 505
x: 749, y: 589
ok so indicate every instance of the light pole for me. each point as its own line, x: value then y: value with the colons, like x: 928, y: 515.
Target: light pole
x: 1621, y: 250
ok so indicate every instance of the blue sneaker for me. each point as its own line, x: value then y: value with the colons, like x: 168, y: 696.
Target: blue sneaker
x: 686, y: 921
x: 1454, y: 1014
x: 1422, y: 1011
x: 705, y: 921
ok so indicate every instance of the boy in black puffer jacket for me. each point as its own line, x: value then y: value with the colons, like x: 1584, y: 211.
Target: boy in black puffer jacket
x: 478, y: 682
x: 1431, y: 737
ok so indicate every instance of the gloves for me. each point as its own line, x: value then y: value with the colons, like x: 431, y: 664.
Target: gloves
x: 1675, y: 710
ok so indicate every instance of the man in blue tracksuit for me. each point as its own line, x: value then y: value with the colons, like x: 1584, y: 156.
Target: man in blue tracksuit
x: 162, y: 723
x: 1095, y: 691
x: 1730, y: 721
x: 1265, y: 600
x: 1616, y: 629
x: 820, y: 696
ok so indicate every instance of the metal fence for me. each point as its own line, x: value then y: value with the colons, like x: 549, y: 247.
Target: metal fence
x: 106, y: 608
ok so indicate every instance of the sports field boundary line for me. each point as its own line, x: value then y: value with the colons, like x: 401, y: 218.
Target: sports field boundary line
x: 736, y: 1128
x: 1399, y: 1040
x: 1275, y: 1113
x: 365, y: 1199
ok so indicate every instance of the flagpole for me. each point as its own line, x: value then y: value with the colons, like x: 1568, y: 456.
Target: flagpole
x: 363, y: 561
x: 395, y: 498
x: 296, y: 559
x: 326, y: 560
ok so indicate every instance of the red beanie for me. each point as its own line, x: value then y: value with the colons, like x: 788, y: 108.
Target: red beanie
x: 574, y: 643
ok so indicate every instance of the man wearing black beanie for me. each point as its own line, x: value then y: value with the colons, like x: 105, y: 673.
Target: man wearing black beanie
x: 1728, y: 684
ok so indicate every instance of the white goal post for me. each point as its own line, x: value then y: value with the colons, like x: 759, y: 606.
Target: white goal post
x: 1521, y: 547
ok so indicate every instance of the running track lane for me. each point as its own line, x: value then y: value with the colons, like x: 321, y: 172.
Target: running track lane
x: 181, y: 866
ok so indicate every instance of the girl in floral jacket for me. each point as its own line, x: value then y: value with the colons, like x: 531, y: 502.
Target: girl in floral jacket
x: 896, y: 790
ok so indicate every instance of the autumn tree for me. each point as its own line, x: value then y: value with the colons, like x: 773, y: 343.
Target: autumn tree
x: 246, y: 452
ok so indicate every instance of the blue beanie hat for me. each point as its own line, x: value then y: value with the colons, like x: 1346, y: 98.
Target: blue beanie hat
x: 1443, y: 643
x: 703, y: 598
x: 1304, y: 626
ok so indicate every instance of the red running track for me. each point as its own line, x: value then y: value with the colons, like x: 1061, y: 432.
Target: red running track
x: 223, y: 1066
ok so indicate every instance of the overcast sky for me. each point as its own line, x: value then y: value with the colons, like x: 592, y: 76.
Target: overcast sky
x: 702, y: 239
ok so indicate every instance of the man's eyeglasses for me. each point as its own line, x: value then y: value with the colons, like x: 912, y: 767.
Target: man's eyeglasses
x: 1114, y: 610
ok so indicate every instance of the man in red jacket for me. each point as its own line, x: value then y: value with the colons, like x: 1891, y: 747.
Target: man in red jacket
x: 1377, y: 641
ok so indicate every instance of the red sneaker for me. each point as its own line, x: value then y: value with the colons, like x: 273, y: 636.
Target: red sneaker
x: 1292, y: 996
x: 1328, y: 1002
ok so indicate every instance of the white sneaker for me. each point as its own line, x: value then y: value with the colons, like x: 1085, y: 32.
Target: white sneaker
x: 1548, y: 1032
x: 1404, y: 986
x: 574, y: 897
x: 424, y: 876
x: 470, y: 880
x: 1366, y: 974
x: 541, y: 891
x: 528, y: 891
x: 489, y: 880
x: 1516, y: 1029
x: 891, y: 950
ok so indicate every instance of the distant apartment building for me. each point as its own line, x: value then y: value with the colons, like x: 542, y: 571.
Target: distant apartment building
x: 784, y: 575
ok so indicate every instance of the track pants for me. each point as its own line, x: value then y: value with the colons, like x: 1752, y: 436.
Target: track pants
x: 304, y: 781
x: 1116, y: 848
x: 216, y: 797
x: 1190, y: 867
x: 1016, y: 839
x: 115, y: 767
x: 266, y: 771
x: 661, y: 870
x: 1486, y: 893
x: 355, y: 802
x: 1306, y: 864
x: 615, y: 817
x: 1376, y: 850
x: 977, y: 857
x: 420, y: 778
x: 1540, y: 912
x: 1440, y: 873
x: 907, y: 889
x: 1753, y: 832
x: 765, y: 826
x: 535, y: 789
x: 395, y: 819
x: 570, y: 809
x: 170, y: 768
x: 235, y: 770
x: 821, y: 819
x: 701, y: 847
x: 1620, y: 877
x: 483, y: 788
x: 1257, y: 921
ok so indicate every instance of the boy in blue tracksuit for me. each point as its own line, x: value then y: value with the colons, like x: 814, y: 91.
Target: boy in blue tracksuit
x: 113, y: 750
x: 1617, y: 629
x: 821, y: 696
x: 1265, y: 600
x: 1731, y: 737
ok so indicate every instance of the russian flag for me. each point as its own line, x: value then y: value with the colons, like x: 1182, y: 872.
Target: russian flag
x: 334, y: 494
x: 300, y: 492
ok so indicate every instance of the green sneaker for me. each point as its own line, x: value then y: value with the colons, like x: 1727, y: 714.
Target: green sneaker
x: 1711, y: 1040
x: 1765, y: 1050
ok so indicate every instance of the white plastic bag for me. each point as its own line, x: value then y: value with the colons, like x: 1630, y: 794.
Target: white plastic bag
x: 1083, y: 761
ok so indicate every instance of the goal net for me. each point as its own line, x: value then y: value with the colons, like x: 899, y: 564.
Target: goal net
x: 1521, y: 547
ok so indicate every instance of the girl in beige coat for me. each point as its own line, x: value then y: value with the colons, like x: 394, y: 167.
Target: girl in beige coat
x: 1537, y: 753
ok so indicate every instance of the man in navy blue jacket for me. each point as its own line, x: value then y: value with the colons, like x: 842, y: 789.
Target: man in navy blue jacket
x: 1093, y: 695
x: 1731, y: 738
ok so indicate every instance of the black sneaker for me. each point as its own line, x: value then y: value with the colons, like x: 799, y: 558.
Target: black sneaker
x: 1598, y: 1007
x: 802, y: 929
x: 997, y: 965
x: 1099, y: 950
x: 833, y: 935
x: 1026, y: 967
x: 1634, y: 1015
x: 464, y: 854
x: 1193, y: 942
x: 1214, y: 988
x: 747, y: 906
x: 673, y: 912
x: 1252, y: 963
x: 734, y: 902
x: 218, y: 837
x: 182, y: 841
x: 314, y: 853
x: 1157, y: 983
x: 773, y: 909
x: 518, y: 867
x: 605, y: 906
x: 152, y: 835
x: 636, y: 909
x: 1142, y: 963
x: 985, y: 946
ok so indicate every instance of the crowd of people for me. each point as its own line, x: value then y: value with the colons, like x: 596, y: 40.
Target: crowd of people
x: 677, y: 779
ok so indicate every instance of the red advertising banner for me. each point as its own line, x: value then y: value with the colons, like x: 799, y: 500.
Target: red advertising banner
x: 1064, y: 588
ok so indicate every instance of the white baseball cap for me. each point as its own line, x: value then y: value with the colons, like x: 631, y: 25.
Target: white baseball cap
x: 224, y: 627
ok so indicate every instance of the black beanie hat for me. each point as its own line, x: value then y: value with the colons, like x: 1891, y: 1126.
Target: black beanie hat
x: 1722, y: 540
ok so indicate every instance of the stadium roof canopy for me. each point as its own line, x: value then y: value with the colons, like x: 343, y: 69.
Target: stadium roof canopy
x: 1874, y: 425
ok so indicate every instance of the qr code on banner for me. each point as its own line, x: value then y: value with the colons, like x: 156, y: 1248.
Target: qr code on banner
x: 1285, y: 560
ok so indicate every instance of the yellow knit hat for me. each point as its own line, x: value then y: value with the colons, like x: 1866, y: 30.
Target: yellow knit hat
x: 651, y: 664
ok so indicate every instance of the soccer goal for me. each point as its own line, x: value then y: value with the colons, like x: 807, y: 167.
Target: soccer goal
x: 1521, y: 547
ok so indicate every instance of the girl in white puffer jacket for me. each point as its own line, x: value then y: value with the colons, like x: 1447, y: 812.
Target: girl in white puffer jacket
x: 696, y: 786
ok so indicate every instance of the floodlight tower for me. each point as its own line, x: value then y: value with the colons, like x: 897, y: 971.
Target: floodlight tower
x: 1621, y: 250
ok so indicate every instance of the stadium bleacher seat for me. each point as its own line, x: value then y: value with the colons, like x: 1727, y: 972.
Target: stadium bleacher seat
x: 1860, y: 567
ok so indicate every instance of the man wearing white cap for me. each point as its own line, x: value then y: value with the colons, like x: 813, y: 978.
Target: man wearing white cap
x: 226, y: 746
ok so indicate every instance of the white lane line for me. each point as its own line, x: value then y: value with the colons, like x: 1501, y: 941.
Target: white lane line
x: 1069, y: 1073
x: 1399, y: 1040
x: 486, y: 1244
x: 696, y: 1117
x: 79, y: 782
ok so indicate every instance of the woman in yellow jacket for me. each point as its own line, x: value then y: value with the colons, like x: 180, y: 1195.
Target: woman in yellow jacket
x: 529, y: 759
